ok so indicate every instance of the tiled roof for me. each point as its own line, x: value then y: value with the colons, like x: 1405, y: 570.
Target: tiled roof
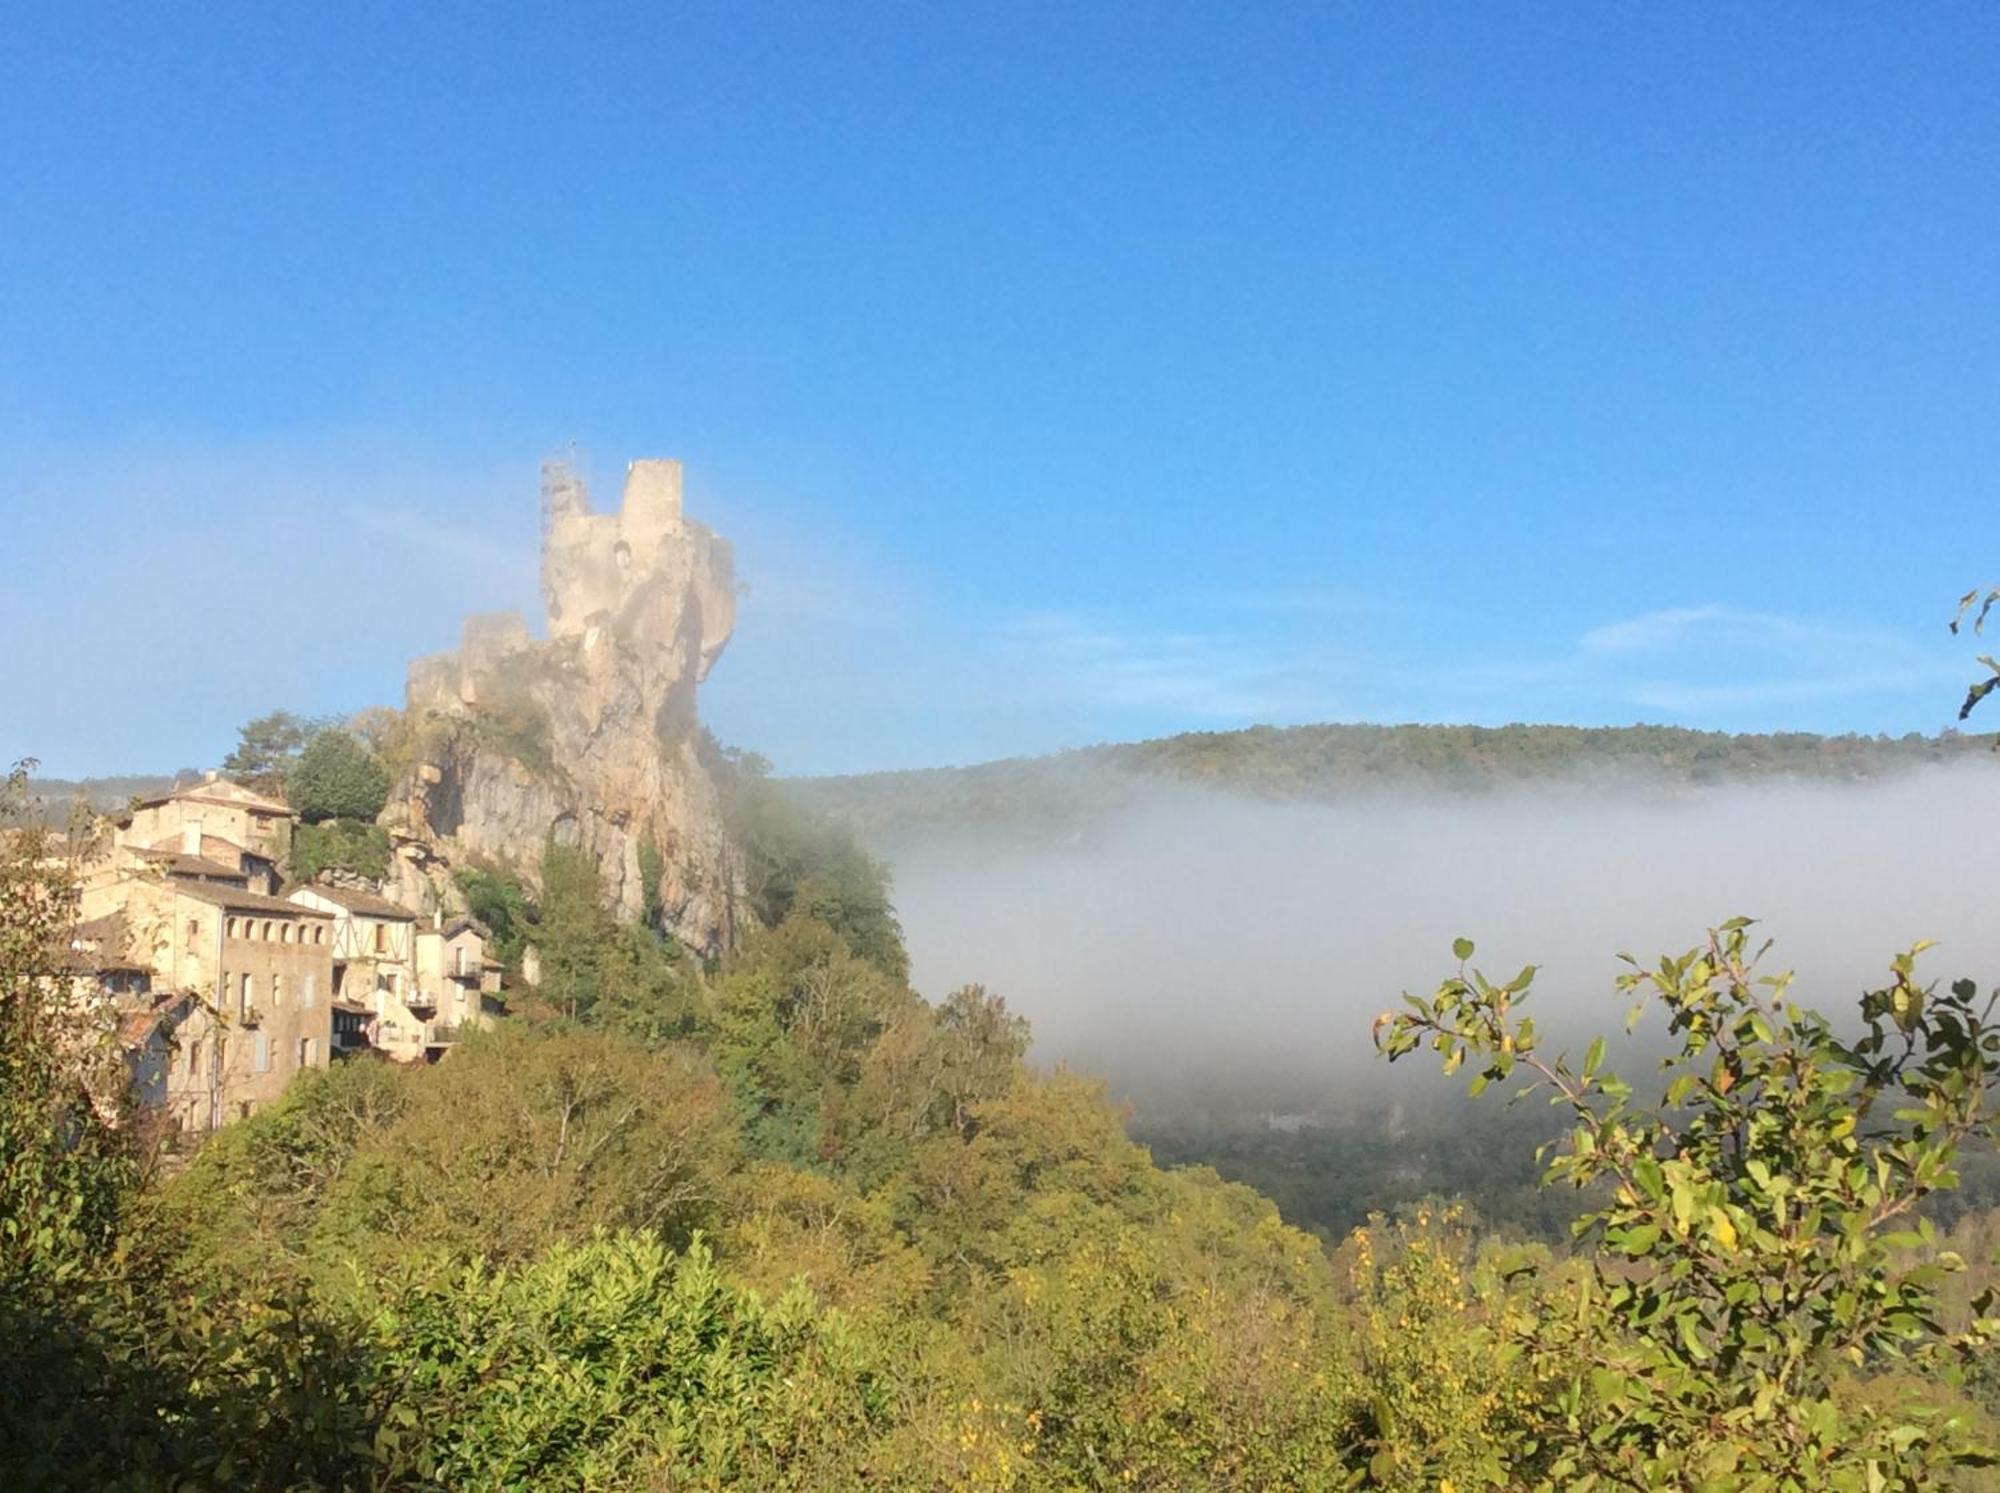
x: 367, y: 904
x: 178, y: 864
x: 237, y: 900
x: 221, y: 791
x: 138, y: 1026
x: 213, y: 847
x: 97, y: 930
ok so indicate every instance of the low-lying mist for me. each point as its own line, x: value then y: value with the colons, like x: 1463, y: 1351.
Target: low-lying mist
x: 1225, y: 955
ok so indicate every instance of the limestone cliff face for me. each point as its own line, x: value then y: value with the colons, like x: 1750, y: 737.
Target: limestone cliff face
x: 591, y: 736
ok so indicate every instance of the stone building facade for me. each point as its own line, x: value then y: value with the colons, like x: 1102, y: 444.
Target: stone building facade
x: 461, y: 981
x: 223, y: 991
x: 259, y: 973
x: 217, y: 820
x: 414, y: 988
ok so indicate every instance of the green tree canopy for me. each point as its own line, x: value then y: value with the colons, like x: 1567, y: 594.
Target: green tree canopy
x: 267, y: 747
x: 336, y: 776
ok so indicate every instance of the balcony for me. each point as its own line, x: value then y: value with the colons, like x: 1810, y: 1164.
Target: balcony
x: 420, y: 1001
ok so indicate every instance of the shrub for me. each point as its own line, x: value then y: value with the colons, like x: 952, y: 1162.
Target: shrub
x: 340, y: 845
x: 499, y: 901
x: 1756, y: 1224
x: 510, y: 721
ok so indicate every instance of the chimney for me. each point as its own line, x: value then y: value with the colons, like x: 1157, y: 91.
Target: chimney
x: 191, y: 837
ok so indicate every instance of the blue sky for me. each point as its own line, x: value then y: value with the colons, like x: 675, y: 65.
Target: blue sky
x: 1063, y: 373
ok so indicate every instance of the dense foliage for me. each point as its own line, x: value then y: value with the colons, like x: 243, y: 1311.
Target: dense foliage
x: 1750, y: 1223
x: 781, y: 1224
x: 268, y: 747
x: 62, y: 1156
x: 337, y: 776
x: 501, y: 904
x: 799, y: 858
x: 353, y: 846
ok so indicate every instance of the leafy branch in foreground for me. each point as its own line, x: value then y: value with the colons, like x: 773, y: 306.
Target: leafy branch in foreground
x: 1985, y: 601
x: 1759, y: 1239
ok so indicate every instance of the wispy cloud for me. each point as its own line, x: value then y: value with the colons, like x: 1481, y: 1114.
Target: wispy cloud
x: 1698, y: 659
x: 1208, y: 676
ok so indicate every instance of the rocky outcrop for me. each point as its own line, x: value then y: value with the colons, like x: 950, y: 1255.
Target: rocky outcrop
x: 589, y: 738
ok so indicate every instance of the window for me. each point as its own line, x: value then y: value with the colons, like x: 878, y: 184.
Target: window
x: 235, y: 928
x: 245, y: 994
x: 277, y: 991
x: 268, y: 933
x: 308, y: 991
x: 284, y: 933
x: 381, y: 938
x: 458, y: 956
x: 194, y: 1057
x: 308, y: 1051
x: 261, y: 1062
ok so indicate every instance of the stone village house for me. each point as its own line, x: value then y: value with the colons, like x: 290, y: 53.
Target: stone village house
x: 242, y: 980
x: 225, y: 992
x: 410, y: 989
x: 214, y: 821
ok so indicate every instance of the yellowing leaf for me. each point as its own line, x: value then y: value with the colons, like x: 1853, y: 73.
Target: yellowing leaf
x: 1725, y: 1231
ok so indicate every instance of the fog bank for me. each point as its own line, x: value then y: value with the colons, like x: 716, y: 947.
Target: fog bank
x: 1196, y: 945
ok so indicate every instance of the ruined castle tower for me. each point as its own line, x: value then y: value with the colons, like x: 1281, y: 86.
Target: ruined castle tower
x: 590, y: 737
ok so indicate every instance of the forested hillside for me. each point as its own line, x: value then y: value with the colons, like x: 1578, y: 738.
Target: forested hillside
x: 1038, y: 796
x: 777, y: 1222
x: 51, y: 799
